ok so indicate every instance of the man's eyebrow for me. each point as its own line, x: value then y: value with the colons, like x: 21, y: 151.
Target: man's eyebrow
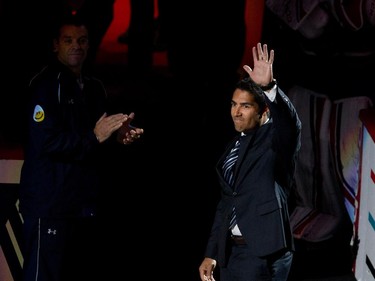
x: 247, y: 103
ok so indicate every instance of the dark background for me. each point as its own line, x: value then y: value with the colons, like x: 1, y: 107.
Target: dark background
x: 161, y: 194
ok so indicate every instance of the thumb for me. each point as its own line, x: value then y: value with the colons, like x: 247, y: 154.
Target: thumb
x: 247, y: 69
x: 103, y: 116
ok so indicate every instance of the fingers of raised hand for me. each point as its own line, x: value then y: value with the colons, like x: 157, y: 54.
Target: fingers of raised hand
x: 263, y: 54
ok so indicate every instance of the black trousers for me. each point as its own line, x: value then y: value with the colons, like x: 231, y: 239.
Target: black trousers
x: 61, y: 249
x: 243, y: 266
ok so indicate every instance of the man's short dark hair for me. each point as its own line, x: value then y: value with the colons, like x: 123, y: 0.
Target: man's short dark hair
x: 68, y: 19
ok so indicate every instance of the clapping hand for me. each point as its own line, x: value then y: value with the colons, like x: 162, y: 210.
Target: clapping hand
x: 128, y: 133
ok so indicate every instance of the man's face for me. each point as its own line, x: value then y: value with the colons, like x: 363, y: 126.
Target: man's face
x: 244, y: 111
x: 71, y: 47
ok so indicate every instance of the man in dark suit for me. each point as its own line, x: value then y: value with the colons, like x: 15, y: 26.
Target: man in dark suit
x: 251, y: 238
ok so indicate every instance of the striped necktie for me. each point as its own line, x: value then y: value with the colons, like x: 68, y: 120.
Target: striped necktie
x: 229, y: 163
x: 228, y: 174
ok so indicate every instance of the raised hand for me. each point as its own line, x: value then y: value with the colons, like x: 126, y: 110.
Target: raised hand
x: 262, y: 73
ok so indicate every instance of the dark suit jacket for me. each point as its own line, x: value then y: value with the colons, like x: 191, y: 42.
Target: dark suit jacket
x: 262, y: 180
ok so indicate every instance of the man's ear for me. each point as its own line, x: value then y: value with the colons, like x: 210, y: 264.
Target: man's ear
x: 268, y: 113
x: 265, y: 116
x: 264, y: 111
x: 55, y: 43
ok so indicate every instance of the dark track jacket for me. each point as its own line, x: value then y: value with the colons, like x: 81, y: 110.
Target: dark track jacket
x: 59, y: 177
x: 263, y: 177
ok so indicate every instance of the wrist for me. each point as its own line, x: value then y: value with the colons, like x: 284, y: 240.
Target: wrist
x: 269, y: 86
x: 97, y: 137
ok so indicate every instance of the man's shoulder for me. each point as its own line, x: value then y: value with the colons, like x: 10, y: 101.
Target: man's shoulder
x: 43, y: 74
x: 93, y: 79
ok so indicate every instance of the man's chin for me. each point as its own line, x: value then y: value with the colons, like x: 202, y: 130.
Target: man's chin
x: 238, y: 128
